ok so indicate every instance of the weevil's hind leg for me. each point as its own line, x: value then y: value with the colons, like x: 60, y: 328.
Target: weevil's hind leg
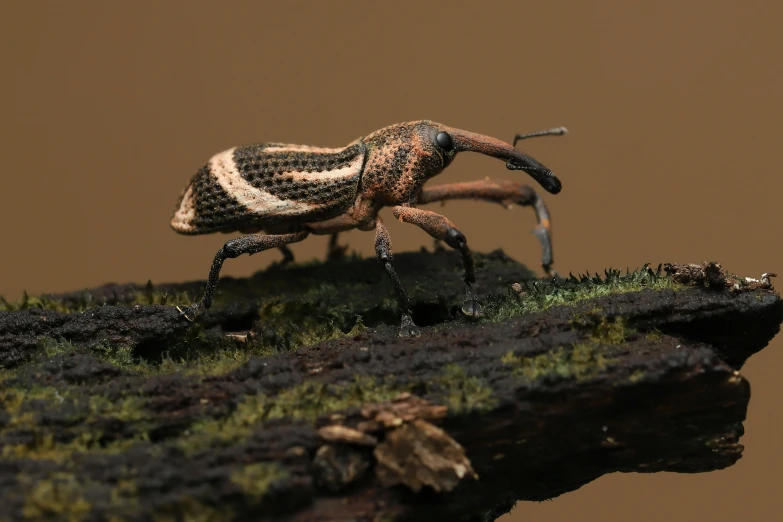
x: 441, y: 228
x: 335, y: 251
x: 384, y: 255
x: 288, y: 257
x: 506, y: 193
x: 234, y: 248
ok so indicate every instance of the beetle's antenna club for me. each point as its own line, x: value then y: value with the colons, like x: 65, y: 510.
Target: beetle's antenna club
x: 557, y: 131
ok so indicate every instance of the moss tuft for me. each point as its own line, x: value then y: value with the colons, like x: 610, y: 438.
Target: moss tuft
x: 611, y: 332
x: 26, y: 407
x: 44, y: 301
x: 254, y: 479
x: 61, y: 497
x: 462, y: 393
x: 188, y: 509
x: 580, y: 361
x: 538, y: 295
x: 150, y: 296
x: 296, y: 324
x: 124, y: 500
x: 636, y: 376
x: 120, y: 356
x: 306, y: 401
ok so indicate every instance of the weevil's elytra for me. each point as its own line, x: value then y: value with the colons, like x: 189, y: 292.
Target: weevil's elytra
x: 280, y: 193
x: 258, y: 185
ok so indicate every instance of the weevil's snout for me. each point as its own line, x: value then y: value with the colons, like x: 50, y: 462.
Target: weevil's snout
x: 515, y: 159
x: 539, y: 172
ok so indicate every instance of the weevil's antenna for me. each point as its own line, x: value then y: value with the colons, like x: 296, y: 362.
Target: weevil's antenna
x: 557, y: 131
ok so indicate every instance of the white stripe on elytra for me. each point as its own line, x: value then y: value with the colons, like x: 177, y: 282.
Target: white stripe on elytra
x: 185, y: 213
x: 290, y: 147
x: 224, y: 169
x: 348, y: 171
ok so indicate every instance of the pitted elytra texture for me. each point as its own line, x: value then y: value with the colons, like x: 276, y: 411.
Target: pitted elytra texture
x: 206, y: 207
x: 284, y: 192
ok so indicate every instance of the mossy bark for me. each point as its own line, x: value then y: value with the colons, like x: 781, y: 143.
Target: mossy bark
x: 295, y: 394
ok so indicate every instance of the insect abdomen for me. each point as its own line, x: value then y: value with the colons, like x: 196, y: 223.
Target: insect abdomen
x: 257, y: 185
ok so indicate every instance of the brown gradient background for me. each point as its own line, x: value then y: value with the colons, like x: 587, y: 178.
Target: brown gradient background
x: 674, y: 110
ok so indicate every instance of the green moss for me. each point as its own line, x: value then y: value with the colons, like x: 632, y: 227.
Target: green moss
x: 124, y: 500
x: 460, y: 392
x: 540, y: 295
x: 306, y: 401
x: 61, y: 496
x: 150, y: 296
x: 636, y: 376
x: 44, y: 301
x: 203, y: 358
x: 287, y: 326
x: 24, y: 407
x: 188, y: 509
x: 213, y: 364
x: 611, y: 332
x: 309, y: 400
x: 13, y: 398
x: 198, y: 355
x: 120, y: 356
x: 600, y: 329
x: 463, y: 393
x: 254, y: 479
x: 580, y: 361
x: 298, y: 324
x: 654, y: 335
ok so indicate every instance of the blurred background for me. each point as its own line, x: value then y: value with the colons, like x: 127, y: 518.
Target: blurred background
x: 674, y: 111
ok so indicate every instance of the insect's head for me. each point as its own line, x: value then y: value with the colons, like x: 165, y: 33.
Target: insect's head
x: 448, y: 141
x: 403, y: 156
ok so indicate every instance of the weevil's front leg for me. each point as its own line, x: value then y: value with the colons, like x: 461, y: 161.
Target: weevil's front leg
x: 441, y: 228
x: 506, y: 193
x: 384, y: 254
x: 335, y: 251
x: 234, y: 248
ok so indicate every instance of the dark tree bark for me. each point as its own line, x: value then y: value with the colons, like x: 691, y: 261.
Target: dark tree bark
x: 457, y: 424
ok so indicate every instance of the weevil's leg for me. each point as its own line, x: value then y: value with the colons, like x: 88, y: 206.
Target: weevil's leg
x: 234, y: 248
x: 506, y: 193
x: 384, y: 254
x: 335, y: 251
x: 288, y: 256
x: 441, y: 228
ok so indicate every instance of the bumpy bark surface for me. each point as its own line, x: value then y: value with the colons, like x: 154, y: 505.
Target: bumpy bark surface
x: 282, y: 406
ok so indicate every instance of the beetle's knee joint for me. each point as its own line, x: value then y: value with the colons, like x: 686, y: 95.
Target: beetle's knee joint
x: 384, y: 257
x: 527, y: 196
x: 233, y: 249
x: 455, y: 239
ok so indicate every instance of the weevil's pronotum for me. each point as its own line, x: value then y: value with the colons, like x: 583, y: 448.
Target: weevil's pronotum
x: 278, y: 194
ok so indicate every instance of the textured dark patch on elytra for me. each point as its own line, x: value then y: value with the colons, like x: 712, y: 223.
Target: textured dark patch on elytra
x: 270, y: 172
x: 215, y: 208
x: 259, y: 166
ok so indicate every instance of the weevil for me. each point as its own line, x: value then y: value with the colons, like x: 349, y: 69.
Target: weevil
x: 275, y: 194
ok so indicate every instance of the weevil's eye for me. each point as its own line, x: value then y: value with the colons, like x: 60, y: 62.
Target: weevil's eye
x: 444, y: 141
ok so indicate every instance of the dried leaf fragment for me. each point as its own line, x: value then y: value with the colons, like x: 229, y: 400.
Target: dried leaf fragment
x: 403, y: 408
x: 713, y: 275
x: 346, y: 435
x: 419, y: 454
